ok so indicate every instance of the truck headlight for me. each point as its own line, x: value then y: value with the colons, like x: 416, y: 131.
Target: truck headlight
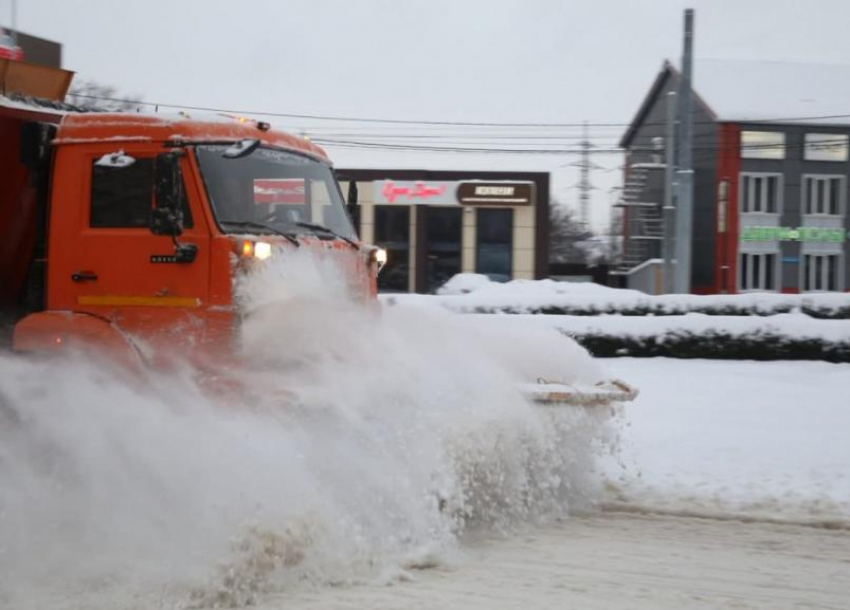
x: 262, y: 250
x: 379, y: 256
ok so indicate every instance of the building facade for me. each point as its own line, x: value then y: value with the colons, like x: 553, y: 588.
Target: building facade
x: 770, y: 182
x: 435, y: 224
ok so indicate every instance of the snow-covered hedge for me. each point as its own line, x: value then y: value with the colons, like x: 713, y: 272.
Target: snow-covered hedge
x: 472, y: 293
x: 779, y: 337
x: 717, y: 345
x: 611, y: 322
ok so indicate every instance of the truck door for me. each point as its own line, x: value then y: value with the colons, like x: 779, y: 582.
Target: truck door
x: 104, y: 260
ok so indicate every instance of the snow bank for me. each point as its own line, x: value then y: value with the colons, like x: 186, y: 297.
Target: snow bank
x: 792, y: 325
x: 467, y: 293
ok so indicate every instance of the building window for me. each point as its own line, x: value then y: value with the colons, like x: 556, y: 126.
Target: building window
x: 823, y: 195
x: 758, y: 271
x: 821, y: 272
x: 443, y: 234
x: 825, y: 147
x: 761, y: 193
x: 762, y: 145
x: 493, y: 255
x: 392, y: 232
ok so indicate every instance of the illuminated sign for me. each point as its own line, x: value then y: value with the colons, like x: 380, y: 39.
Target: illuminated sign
x: 495, y: 193
x: 802, y: 234
x: 414, y: 192
x: 277, y: 191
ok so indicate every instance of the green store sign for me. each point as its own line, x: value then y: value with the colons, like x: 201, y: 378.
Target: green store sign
x: 804, y: 234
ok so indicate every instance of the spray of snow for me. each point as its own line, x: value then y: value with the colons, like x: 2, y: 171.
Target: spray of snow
x: 360, y: 445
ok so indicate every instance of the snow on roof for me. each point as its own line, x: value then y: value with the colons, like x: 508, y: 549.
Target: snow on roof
x: 758, y: 91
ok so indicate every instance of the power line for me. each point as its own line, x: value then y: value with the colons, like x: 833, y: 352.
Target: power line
x: 317, y: 117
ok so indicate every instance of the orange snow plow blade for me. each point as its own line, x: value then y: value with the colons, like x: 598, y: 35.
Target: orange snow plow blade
x: 556, y: 394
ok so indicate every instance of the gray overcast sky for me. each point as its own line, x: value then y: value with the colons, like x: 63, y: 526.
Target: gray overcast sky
x: 464, y: 60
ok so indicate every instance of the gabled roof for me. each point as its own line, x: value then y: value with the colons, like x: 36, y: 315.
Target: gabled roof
x: 761, y: 92
x: 659, y: 84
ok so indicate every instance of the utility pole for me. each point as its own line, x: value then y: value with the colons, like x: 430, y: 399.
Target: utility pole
x: 685, y: 199
x: 669, y: 211
x: 14, y: 23
x: 584, y: 185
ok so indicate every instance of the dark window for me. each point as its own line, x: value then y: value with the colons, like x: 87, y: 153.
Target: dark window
x: 392, y: 232
x: 810, y: 195
x: 807, y: 272
x: 443, y: 244
x: 819, y: 273
x: 769, y: 262
x: 832, y: 272
x: 493, y: 256
x: 756, y: 262
x: 771, y: 194
x: 745, y: 259
x: 746, y: 191
x: 757, y: 203
x: 834, y: 194
x: 122, y: 197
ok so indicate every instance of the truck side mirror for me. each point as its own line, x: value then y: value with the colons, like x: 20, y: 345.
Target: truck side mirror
x: 352, y: 194
x: 167, y: 217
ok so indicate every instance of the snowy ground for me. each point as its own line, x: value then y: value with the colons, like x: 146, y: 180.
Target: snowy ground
x: 390, y: 462
x: 732, y: 491
x: 768, y: 439
x: 622, y: 562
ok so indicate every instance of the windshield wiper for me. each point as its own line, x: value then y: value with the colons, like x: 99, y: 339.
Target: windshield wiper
x: 260, y: 225
x: 324, y: 229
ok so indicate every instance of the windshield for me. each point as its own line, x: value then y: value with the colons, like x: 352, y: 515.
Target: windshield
x: 272, y: 191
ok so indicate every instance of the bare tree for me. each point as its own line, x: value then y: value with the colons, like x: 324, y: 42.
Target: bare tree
x: 96, y: 96
x: 566, y: 236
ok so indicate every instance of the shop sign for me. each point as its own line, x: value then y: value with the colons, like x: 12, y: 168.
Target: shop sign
x: 801, y: 234
x: 407, y: 192
x: 495, y: 193
x: 280, y: 191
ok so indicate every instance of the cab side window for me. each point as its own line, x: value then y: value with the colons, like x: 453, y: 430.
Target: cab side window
x: 122, y: 197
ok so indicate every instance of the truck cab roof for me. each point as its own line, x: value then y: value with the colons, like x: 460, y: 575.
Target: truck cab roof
x: 135, y: 127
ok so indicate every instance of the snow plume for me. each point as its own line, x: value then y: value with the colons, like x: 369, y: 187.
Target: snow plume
x: 360, y: 443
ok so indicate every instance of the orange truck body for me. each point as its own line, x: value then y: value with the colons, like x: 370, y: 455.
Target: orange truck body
x: 109, y: 286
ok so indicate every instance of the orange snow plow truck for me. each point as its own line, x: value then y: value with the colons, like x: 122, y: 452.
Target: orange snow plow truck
x: 117, y: 226
x: 127, y: 232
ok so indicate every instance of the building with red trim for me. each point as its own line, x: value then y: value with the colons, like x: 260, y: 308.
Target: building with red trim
x: 771, y: 181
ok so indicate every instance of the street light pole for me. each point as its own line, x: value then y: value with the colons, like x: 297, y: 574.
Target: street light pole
x: 14, y: 23
x: 669, y: 211
x: 685, y: 199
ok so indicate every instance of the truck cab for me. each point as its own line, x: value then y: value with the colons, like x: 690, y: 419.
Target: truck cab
x: 147, y: 221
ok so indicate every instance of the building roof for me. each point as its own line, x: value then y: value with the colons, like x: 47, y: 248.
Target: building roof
x: 757, y: 91
x: 737, y: 91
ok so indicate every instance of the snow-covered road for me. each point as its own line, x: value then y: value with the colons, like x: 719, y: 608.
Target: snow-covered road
x: 619, y: 561
x: 757, y: 450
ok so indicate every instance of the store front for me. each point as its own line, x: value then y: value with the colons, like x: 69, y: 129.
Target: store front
x: 435, y: 225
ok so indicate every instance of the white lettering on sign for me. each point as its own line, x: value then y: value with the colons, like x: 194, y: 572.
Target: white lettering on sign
x: 502, y: 191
